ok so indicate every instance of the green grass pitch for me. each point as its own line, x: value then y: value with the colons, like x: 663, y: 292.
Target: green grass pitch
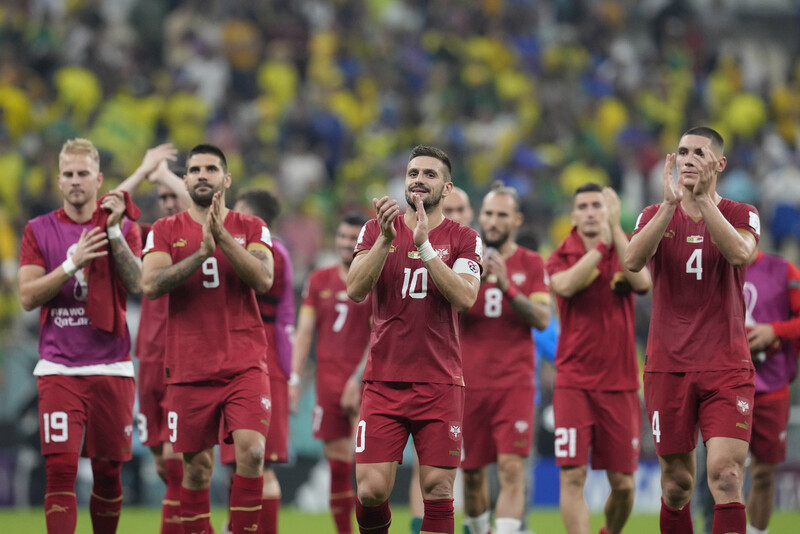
x: 146, y: 520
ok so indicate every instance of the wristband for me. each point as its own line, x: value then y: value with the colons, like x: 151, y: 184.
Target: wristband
x: 113, y: 231
x: 602, y: 248
x: 426, y: 251
x: 294, y: 379
x: 69, y: 267
x: 511, y: 291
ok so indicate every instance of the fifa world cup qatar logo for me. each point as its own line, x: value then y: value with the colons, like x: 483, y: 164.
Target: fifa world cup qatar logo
x: 750, y: 299
x: 80, y: 290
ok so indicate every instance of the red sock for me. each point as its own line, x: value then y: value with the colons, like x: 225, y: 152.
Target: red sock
x: 341, y: 499
x: 729, y: 518
x: 373, y: 519
x: 268, y: 518
x: 676, y: 521
x: 106, y: 501
x: 438, y: 516
x: 245, y: 503
x: 171, y: 505
x: 195, y: 511
x: 60, y: 505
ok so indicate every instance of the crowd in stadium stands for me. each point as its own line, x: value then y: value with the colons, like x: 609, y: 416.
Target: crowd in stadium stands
x: 320, y: 101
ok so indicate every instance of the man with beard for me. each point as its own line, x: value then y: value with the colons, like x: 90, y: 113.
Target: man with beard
x: 424, y: 269
x: 595, y: 401
x: 212, y: 261
x: 498, y: 410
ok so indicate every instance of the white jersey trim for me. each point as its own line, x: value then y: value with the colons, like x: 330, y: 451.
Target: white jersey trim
x: 46, y: 368
x: 467, y: 266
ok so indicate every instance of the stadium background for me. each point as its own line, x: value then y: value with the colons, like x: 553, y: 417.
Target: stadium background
x: 320, y: 102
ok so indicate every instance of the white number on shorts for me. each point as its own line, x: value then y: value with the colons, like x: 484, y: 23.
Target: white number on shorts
x: 55, y: 426
x: 360, y: 438
x: 565, y: 442
x: 410, y: 283
x: 695, y: 263
x: 141, y: 424
x: 341, y: 308
x: 316, y: 418
x: 494, y: 302
x: 656, y: 424
x: 172, y: 424
x: 210, y: 269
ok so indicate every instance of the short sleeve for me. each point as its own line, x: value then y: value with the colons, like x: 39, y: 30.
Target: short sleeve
x: 644, y: 217
x: 29, y: 253
x: 745, y: 217
x: 556, y: 263
x: 367, y: 236
x: 258, y: 233
x: 538, y: 281
x: 158, y: 238
x: 470, y: 246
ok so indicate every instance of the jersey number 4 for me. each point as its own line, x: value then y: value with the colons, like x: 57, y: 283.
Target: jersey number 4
x: 694, y: 265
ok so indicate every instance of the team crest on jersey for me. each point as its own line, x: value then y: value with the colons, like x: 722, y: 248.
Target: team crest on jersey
x: 743, y: 405
x: 266, y: 403
x: 455, y: 430
x: 669, y: 234
x: 635, y: 443
x: 694, y: 239
x: 325, y: 293
x: 521, y: 426
x: 519, y: 278
x: 240, y: 239
x: 179, y: 243
x: 128, y: 430
x: 443, y: 252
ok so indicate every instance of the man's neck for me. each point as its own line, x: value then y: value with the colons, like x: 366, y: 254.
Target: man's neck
x: 508, y: 248
x: 199, y: 213
x: 80, y: 214
x: 589, y: 241
x: 343, y: 269
x: 435, y: 217
x: 691, y: 207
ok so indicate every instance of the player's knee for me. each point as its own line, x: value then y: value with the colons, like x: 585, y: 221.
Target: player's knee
x: 251, y: 457
x: 197, y: 475
x: 473, y: 479
x: 677, y: 490
x: 727, y: 479
x: 511, y: 473
x: 763, y: 476
x: 573, y: 476
x: 438, y: 489
x: 372, y: 494
x: 621, y: 483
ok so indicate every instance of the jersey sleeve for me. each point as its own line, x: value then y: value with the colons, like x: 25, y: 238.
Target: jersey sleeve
x: 367, y: 236
x: 745, y: 217
x: 790, y: 329
x: 556, y: 262
x: 29, y: 253
x: 538, y: 281
x: 310, y: 293
x: 644, y: 217
x: 158, y: 238
x: 134, y: 239
x: 258, y: 235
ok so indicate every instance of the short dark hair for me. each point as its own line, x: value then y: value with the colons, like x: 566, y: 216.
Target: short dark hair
x: 588, y: 187
x: 499, y: 188
x: 264, y: 204
x: 354, y: 218
x: 431, y: 151
x: 205, y: 148
x: 708, y: 133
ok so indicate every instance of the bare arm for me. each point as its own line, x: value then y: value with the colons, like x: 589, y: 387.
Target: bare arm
x: 160, y: 275
x: 350, y: 401
x: 37, y: 287
x: 534, y: 309
x: 163, y: 176
x: 126, y: 265
x: 640, y: 281
x: 737, y: 245
x: 303, y: 337
x: 366, y: 267
x: 576, y: 278
x: 153, y: 158
x: 460, y: 289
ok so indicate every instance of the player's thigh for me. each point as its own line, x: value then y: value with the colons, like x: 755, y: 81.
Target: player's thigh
x: 247, y: 404
x: 438, y: 414
x: 617, y: 431
x: 277, y: 447
x: 770, y: 420
x: 109, y: 427
x: 479, y: 441
x: 671, y: 402
x: 152, y: 416
x: 382, y: 430
x: 726, y: 405
x: 62, y: 414
x: 194, y: 416
x: 572, y: 413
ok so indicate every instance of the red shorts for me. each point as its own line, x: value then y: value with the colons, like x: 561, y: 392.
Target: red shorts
x: 608, y: 422
x: 391, y: 411
x: 329, y: 420
x: 277, y: 449
x: 770, y: 419
x: 197, y: 410
x: 99, y: 406
x: 496, y: 422
x: 719, y: 403
x: 152, y: 417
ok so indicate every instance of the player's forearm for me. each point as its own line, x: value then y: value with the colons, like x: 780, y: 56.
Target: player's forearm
x: 169, y: 179
x: 132, y: 182
x: 127, y: 266
x: 366, y: 269
x: 36, y: 292
x: 640, y: 281
x: 570, y: 281
x: 302, y: 343
x: 737, y: 248
x: 254, y: 267
x: 536, y: 314
x: 459, y: 291
x: 158, y: 282
x: 644, y: 244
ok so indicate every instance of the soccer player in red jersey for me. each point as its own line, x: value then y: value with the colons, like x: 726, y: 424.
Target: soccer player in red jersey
x: 698, y: 370
x: 85, y: 373
x: 212, y: 261
x: 498, y: 408
x: 343, y: 329
x: 151, y: 340
x: 596, y: 401
x: 423, y: 270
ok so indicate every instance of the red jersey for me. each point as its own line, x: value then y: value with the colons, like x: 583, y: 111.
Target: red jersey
x: 415, y: 328
x: 342, y: 327
x: 496, y: 345
x: 214, y: 330
x: 697, y: 321
x: 151, y: 338
x: 597, y: 348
